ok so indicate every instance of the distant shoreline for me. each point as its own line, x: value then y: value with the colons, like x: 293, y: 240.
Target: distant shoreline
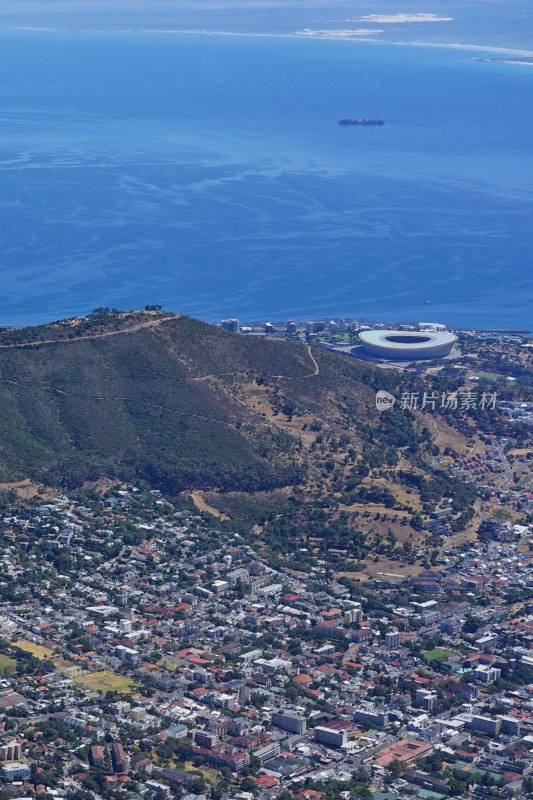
x: 321, y: 36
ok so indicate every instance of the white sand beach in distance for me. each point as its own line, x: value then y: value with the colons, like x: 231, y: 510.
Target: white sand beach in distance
x: 477, y: 48
x: 401, y: 18
x: 517, y: 63
x: 313, y: 34
x: 344, y: 33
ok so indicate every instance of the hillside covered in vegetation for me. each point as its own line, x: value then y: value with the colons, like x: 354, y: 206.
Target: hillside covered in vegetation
x: 163, y: 398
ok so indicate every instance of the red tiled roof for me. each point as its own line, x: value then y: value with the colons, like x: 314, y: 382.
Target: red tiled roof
x: 266, y: 781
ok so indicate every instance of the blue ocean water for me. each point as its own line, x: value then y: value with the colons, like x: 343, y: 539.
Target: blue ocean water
x: 209, y: 174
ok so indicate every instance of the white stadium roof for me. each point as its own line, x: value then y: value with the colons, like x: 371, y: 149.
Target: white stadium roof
x: 407, y: 345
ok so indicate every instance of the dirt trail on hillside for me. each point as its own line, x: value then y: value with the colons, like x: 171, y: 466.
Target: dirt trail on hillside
x: 314, y: 373
x: 117, y: 398
x: 150, y: 324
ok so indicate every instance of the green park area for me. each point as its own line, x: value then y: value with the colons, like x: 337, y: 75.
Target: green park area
x: 438, y: 654
x: 7, y: 665
x: 165, y: 663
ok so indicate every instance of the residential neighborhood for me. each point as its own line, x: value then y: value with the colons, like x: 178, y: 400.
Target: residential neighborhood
x: 148, y: 650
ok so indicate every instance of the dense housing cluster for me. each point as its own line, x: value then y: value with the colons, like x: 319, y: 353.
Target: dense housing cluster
x: 148, y: 651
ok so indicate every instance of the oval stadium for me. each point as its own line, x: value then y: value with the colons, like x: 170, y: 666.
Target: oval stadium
x: 407, y: 345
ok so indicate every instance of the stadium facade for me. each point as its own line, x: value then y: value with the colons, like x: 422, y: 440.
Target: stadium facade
x: 394, y: 345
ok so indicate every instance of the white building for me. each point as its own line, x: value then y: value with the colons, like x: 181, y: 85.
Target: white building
x: 330, y: 736
x: 16, y: 771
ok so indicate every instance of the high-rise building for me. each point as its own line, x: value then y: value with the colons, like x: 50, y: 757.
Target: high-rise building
x: 486, y: 725
x: 269, y: 750
x: 206, y: 738
x: 330, y: 736
x: 428, y: 699
x: 244, y: 694
x: 231, y: 325
x: 468, y: 691
x: 486, y: 674
x: 510, y: 725
x: 487, y: 642
x: 371, y: 715
x: 313, y: 326
x: 451, y: 626
x: 128, y: 654
x: 10, y: 751
x: 121, y: 762
x: 392, y: 639
x: 353, y: 616
x: 289, y: 721
x: 137, y: 713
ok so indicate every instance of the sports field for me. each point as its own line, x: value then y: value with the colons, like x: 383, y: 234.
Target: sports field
x: 105, y: 681
x: 37, y: 650
x: 438, y: 654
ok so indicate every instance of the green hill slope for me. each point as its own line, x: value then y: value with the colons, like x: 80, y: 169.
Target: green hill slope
x: 167, y: 399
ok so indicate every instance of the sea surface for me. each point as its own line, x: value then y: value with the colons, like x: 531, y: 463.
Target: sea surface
x: 208, y: 173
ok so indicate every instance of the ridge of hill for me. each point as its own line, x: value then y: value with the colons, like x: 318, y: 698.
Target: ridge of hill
x: 170, y: 400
